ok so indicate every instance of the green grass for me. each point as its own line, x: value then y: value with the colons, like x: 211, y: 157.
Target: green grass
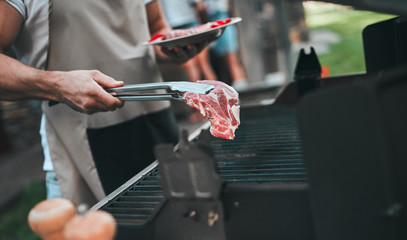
x: 347, y: 55
x: 13, y: 220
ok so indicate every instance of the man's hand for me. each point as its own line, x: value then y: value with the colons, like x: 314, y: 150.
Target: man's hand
x: 158, y: 25
x: 84, y: 91
x: 81, y: 90
x: 183, y: 54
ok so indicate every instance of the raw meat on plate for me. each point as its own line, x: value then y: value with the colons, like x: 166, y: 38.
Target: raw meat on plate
x: 189, y: 31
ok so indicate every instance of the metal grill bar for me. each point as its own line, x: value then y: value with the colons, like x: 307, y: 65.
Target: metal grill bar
x: 267, y: 149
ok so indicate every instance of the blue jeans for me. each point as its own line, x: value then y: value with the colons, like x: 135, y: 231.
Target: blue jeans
x: 52, y: 185
x: 227, y: 43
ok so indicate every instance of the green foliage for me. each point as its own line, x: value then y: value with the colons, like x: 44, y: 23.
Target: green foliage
x: 13, y: 220
x: 346, y: 56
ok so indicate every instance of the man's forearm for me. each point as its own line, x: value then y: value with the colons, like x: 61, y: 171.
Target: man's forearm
x: 19, y: 81
x: 82, y: 90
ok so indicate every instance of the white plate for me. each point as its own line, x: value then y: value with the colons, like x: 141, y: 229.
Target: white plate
x: 205, y: 36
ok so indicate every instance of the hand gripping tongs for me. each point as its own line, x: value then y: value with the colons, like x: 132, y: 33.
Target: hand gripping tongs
x: 175, y: 91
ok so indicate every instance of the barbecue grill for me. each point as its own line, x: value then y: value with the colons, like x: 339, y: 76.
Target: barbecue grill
x: 327, y: 160
x: 265, y: 158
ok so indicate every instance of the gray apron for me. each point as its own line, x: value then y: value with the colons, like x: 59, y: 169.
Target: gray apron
x: 94, y: 34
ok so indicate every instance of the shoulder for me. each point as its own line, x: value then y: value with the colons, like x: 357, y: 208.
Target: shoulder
x: 19, y: 5
x: 28, y: 8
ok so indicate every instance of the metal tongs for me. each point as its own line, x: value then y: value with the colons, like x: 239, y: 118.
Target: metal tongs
x: 175, y: 91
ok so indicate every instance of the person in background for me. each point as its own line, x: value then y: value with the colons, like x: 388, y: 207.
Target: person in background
x: 226, y: 46
x: 4, y: 144
x: 181, y: 14
x: 92, y: 142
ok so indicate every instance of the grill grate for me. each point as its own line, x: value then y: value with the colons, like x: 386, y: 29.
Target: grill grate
x: 266, y: 149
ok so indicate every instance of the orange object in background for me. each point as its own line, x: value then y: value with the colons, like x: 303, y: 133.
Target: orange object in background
x: 56, y: 219
x: 325, y: 71
x: 93, y: 225
x: 48, y: 218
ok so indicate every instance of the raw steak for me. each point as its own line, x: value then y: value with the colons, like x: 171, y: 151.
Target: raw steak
x: 220, y: 106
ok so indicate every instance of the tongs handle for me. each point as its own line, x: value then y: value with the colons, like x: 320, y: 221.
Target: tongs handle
x: 140, y: 87
x: 175, y: 91
x: 178, y: 86
x: 153, y: 97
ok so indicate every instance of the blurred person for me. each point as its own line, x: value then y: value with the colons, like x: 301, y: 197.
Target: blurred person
x: 4, y: 144
x: 226, y: 46
x: 88, y: 156
x: 181, y: 14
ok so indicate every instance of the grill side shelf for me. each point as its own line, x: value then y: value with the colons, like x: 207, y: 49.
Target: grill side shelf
x: 136, y: 203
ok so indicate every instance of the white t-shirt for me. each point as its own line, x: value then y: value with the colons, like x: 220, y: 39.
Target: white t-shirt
x: 32, y: 43
x: 31, y: 48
